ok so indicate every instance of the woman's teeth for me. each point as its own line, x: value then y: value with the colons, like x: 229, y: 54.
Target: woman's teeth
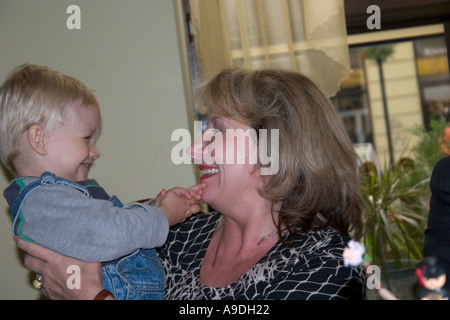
x: 209, y: 171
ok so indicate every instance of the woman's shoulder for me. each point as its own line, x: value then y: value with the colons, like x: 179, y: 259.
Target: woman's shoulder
x: 315, y: 268
x: 194, y: 226
x: 199, y: 220
x: 190, y: 237
x: 314, y: 241
x: 318, y: 252
x: 310, y: 251
x: 310, y: 266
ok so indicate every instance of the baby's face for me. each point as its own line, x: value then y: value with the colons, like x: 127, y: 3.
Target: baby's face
x: 71, y: 149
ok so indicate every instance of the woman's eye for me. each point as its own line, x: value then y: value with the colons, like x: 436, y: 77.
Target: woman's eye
x: 212, y: 133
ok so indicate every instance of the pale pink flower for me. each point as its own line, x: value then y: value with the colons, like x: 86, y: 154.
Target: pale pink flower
x: 353, y: 254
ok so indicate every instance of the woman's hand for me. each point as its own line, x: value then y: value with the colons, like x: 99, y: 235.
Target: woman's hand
x: 55, y: 272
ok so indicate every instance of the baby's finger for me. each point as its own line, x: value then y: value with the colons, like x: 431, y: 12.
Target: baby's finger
x: 198, y: 187
x: 161, y: 194
x: 159, y: 197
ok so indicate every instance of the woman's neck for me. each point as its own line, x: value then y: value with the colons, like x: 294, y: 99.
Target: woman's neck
x: 236, y: 246
x: 249, y: 226
x: 245, y: 235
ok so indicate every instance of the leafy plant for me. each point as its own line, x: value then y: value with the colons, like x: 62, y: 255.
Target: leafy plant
x: 378, y: 53
x: 428, y: 150
x: 396, y: 199
x: 394, y: 216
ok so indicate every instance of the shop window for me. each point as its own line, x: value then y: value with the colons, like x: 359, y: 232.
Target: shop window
x: 417, y: 89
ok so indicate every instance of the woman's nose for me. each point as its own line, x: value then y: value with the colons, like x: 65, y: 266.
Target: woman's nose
x: 195, y: 150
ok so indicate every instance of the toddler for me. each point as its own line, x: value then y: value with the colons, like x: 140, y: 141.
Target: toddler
x: 49, y: 124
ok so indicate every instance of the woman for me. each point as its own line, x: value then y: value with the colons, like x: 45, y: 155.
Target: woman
x: 279, y: 235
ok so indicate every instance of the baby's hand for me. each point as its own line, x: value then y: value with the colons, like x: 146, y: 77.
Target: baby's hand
x: 158, y: 198
x: 179, y: 203
x: 194, y: 192
x: 198, y: 189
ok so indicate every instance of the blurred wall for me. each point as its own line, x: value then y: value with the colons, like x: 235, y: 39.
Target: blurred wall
x: 127, y: 52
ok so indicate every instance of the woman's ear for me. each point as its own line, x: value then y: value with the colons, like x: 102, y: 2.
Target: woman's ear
x: 37, y: 139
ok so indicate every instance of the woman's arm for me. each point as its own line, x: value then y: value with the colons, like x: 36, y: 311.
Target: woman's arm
x: 54, y: 270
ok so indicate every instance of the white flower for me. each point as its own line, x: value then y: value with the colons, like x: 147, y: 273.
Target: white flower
x: 353, y: 254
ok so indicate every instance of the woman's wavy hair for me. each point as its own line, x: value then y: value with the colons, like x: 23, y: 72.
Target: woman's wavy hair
x: 317, y: 183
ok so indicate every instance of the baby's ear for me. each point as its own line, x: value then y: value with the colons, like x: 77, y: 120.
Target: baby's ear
x: 37, y: 139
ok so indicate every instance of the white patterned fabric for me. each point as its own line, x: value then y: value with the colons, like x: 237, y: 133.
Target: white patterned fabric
x: 311, y: 267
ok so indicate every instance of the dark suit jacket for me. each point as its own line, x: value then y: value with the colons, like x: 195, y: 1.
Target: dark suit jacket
x: 437, y: 234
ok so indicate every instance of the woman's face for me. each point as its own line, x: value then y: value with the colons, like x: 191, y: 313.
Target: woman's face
x: 228, y: 153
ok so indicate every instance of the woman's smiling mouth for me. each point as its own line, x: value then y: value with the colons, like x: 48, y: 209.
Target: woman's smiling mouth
x: 207, y: 171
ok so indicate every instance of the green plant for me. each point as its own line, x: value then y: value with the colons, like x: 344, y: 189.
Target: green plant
x: 378, y: 53
x: 394, y: 214
x: 428, y: 150
x: 396, y: 199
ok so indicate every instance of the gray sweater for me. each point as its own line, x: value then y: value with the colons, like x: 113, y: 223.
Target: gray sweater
x: 64, y: 219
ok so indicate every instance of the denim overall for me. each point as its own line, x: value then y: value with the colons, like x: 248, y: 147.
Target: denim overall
x: 138, y: 276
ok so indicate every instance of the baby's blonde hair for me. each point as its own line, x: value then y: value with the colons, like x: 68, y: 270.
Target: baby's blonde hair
x: 35, y: 95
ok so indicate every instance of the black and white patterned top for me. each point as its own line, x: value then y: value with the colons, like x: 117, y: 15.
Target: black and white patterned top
x: 312, y: 268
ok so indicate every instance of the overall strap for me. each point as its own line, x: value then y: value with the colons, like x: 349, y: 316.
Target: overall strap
x: 47, y: 178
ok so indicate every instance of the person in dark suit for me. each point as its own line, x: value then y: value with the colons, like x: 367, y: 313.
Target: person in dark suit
x: 437, y: 234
